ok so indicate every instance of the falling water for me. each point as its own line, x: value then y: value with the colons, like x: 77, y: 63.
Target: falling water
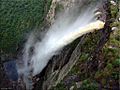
x: 65, y: 29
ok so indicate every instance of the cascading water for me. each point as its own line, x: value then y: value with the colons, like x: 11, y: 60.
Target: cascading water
x: 65, y: 30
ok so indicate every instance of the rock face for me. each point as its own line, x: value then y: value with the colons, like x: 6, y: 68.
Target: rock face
x: 89, y: 44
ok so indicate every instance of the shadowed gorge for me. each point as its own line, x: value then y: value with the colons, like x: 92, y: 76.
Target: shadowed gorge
x: 61, y: 33
x: 59, y: 45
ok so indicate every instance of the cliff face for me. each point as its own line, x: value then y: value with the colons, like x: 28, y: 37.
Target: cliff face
x: 82, y: 62
x: 84, y: 51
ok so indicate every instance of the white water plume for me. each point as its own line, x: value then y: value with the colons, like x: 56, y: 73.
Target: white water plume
x: 61, y: 33
x: 66, y: 29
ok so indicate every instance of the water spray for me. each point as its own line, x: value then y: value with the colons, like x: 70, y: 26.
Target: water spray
x: 63, y: 32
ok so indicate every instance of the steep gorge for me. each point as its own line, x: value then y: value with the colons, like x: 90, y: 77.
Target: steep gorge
x: 85, y: 49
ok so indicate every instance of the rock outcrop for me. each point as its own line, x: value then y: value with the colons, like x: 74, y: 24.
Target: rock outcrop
x: 89, y: 44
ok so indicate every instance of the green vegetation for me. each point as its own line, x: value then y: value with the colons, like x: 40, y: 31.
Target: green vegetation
x: 59, y: 8
x: 88, y: 85
x: 60, y: 86
x: 114, y: 10
x: 106, y: 74
x: 18, y: 17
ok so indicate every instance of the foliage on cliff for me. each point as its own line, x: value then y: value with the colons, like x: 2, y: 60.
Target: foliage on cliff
x: 18, y: 17
x: 103, y: 71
